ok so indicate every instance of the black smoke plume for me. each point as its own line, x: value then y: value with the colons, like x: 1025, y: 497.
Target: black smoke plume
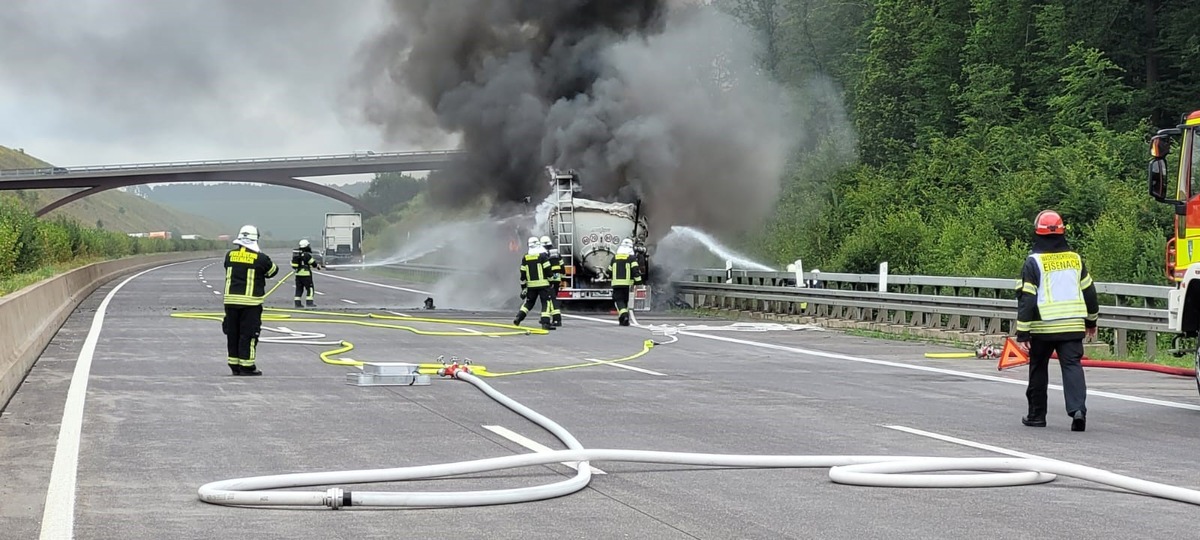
x: 645, y: 99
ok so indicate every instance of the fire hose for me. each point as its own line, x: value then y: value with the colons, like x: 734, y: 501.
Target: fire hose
x: 876, y: 471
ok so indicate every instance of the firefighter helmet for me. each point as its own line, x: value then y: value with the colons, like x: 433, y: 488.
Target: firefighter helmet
x: 628, y: 242
x: 249, y: 232
x: 545, y: 240
x: 533, y: 242
x: 1048, y: 222
x: 304, y: 243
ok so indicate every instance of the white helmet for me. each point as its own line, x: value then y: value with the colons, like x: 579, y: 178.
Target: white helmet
x: 533, y: 242
x: 249, y: 232
x: 627, y: 243
x: 545, y: 240
x: 304, y: 243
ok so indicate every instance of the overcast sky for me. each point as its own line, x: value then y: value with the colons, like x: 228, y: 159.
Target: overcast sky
x: 85, y: 82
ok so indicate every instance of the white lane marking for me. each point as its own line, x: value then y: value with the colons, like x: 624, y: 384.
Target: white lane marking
x: 965, y: 442
x: 58, y: 516
x: 348, y: 301
x: 319, y: 293
x: 532, y: 445
x: 398, y: 314
x: 375, y: 284
x: 623, y: 366
x: 216, y: 292
x: 838, y: 356
x: 209, y: 286
x: 468, y: 330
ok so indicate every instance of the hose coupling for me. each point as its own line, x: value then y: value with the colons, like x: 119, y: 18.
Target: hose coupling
x: 336, y: 498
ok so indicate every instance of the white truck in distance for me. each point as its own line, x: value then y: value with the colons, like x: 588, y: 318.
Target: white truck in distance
x: 343, y: 238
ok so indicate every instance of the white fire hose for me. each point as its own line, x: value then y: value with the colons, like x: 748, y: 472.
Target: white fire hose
x: 881, y: 471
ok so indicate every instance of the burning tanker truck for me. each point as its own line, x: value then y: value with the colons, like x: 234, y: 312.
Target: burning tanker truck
x: 587, y: 234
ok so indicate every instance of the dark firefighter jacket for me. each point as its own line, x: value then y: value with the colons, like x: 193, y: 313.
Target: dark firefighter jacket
x: 246, y: 274
x: 302, y: 262
x: 625, y: 271
x: 556, y: 268
x: 1029, y: 319
x: 535, y: 271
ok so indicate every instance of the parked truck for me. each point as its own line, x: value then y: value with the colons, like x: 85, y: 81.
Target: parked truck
x: 343, y: 238
x: 587, y: 234
x: 1183, y: 249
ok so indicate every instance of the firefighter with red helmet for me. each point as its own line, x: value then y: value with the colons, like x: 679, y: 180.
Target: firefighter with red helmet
x: 1057, y: 308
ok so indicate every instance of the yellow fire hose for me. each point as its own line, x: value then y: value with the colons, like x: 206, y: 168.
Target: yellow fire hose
x: 365, y: 319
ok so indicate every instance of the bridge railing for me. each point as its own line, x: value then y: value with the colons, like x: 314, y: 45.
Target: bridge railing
x: 357, y: 156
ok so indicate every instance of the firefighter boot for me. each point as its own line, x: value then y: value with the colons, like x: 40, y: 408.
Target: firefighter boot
x: 556, y: 319
x: 298, y: 304
x: 312, y: 304
x: 1034, y: 421
x: 624, y: 319
x: 235, y: 368
x: 520, y: 317
x: 250, y: 370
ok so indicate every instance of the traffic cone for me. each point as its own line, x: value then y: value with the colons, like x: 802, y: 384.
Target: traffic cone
x: 1012, y: 356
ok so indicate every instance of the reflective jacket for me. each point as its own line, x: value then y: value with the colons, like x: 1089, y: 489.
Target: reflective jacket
x: 302, y: 262
x: 625, y: 271
x: 1056, y: 298
x: 556, y: 268
x: 535, y: 271
x: 246, y: 273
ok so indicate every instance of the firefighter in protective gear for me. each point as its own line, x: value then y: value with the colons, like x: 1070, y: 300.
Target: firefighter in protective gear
x: 556, y: 275
x: 246, y: 272
x: 1057, y: 308
x: 625, y: 273
x: 303, y: 264
x: 535, y: 283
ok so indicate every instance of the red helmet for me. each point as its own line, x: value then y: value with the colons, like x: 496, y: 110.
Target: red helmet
x: 1048, y: 222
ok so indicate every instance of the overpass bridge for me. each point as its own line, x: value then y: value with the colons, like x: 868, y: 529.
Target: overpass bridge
x: 279, y: 171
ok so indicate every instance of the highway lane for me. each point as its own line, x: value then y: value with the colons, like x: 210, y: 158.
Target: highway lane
x: 163, y: 417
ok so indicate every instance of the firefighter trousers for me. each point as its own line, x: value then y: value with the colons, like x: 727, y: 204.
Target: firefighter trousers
x: 1070, y: 357
x: 532, y: 295
x: 304, y: 285
x: 555, y: 313
x: 620, y: 295
x: 242, y: 325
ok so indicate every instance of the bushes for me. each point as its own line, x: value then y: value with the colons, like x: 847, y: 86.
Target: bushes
x: 27, y: 243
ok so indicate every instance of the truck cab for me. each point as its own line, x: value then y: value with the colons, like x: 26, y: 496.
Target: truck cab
x: 1183, y: 249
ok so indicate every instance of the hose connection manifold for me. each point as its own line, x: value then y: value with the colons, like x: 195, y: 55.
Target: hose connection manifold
x: 454, y: 369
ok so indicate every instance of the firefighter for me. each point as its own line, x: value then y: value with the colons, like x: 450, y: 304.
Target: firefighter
x: 246, y: 272
x: 625, y: 273
x: 303, y: 264
x: 1057, y: 308
x: 535, y: 283
x: 556, y: 275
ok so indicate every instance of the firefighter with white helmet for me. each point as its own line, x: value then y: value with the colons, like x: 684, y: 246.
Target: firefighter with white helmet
x: 303, y: 264
x: 535, y: 283
x: 247, y: 269
x: 625, y: 273
x: 556, y: 274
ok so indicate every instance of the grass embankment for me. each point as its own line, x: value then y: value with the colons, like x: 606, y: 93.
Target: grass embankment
x: 33, y: 249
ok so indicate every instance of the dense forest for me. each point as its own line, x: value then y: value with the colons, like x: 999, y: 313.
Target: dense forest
x: 964, y: 118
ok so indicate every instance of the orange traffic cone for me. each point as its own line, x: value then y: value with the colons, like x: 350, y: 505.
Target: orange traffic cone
x: 1012, y: 356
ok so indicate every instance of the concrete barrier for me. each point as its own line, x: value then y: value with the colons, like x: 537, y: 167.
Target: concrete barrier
x: 30, y: 317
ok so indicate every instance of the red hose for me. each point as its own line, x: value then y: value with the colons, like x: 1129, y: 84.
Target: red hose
x: 1182, y: 372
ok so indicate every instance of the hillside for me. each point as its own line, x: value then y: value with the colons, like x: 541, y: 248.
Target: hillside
x: 113, y: 210
x: 280, y: 213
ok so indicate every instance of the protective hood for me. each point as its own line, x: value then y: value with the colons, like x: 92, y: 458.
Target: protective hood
x: 249, y: 244
x: 1054, y: 243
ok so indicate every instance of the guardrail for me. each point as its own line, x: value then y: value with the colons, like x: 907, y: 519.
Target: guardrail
x: 358, y: 156
x: 971, y: 307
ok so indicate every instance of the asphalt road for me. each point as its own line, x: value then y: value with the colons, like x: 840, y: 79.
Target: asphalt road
x: 162, y: 416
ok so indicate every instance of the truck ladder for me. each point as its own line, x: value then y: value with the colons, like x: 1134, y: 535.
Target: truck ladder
x: 564, y: 196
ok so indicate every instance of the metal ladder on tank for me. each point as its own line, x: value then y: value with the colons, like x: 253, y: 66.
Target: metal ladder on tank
x: 564, y: 194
